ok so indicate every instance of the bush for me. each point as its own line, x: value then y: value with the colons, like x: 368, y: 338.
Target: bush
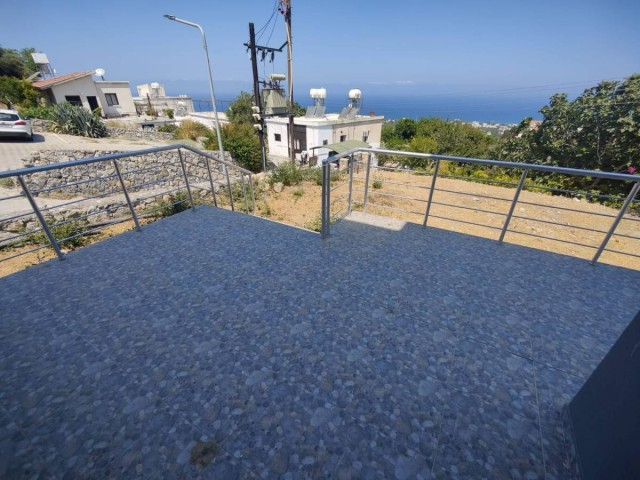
x: 169, y: 112
x: 242, y: 143
x: 190, y: 130
x: 65, y: 229
x: 287, y: 173
x: 74, y: 120
x: 176, y: 203
x: 168, y: 128
x: 43, y: 113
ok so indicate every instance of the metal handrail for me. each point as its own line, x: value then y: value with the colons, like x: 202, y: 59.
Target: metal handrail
x: 240, y: 175
x: 525, y: 169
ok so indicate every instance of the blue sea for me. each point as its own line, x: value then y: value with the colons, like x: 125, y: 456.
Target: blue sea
x: 481, y: 108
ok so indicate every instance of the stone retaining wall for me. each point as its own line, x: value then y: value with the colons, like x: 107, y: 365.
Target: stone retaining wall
x: 157, y: 170
x: 41, y: 126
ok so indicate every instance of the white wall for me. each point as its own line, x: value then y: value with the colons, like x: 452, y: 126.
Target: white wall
x: 278, y: 148
x: 125, y: 100
x: 82, y: 87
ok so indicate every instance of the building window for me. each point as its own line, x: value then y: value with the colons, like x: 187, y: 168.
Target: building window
x: 343, y: 138
x: 112, y: 99
x: 74, y: 100
x: 365, y: 136
x: 277, y: 137
x: 325, y: 142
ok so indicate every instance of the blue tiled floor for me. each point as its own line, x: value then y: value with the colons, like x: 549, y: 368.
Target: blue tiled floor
x: 411, y: 353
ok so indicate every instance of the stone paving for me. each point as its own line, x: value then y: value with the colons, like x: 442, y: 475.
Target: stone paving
x: 220, y: 345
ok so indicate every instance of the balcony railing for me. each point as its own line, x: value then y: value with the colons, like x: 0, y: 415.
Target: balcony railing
x: 91, y: 194
x: 416, y: 195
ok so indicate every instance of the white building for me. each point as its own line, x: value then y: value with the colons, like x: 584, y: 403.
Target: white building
x: 314, y: 135
x: 79, y: 88
x: 155, y: 94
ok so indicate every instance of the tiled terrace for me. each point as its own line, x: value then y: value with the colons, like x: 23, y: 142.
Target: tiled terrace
x: 379, y: 353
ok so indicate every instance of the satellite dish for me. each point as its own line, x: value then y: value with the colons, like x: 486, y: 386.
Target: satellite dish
x: 100, y: 72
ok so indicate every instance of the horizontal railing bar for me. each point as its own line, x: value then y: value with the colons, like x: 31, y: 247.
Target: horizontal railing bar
x: 219, y: 160
x: 580, y: 193
x: 164, y: 192
x: 20, y: 235
x: 393, y: 196
x: 40, y: 247
x: 391, y: 182
x: 468, y: 208
x: 15, y: 217
x: 497, y: 163
x: 548, y: 222
x: 339, y: 186
x: 555, y: 207
x: 73, y: 184
x: 86, y: 161
x: 393, y: 208
x: 624, y: 235
x: 404, y: 170
x: 80, y: 200
x: 12, y: 197
x: 465, y: 221
x: 622, y: 253
x: 138, y: 186
x: 480, y: 180
x: 474, y: 195
x: 520, y: 232
x: 147, y: 169
x: 96, y: 229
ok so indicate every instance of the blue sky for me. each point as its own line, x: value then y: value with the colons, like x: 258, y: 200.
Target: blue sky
x: 412, y: 46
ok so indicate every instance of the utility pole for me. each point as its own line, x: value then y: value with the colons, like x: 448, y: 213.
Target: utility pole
x: 256, y: 94
x: 286, y: 11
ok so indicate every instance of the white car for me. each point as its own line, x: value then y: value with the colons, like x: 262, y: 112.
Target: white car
x: 13, y: 125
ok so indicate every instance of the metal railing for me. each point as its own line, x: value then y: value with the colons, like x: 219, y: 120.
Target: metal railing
x: 60, y: 202
x: 426, y: 180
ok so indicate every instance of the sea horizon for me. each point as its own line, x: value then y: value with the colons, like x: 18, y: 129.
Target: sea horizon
x: 485, y: 109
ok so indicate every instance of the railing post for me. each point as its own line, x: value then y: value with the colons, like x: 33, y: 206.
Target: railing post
x: 623, y: 210
x: 126, y: 195
x: 523, y: 177
x: 431, y: 191
x: 351, y: 166
x: 253, y: 196
x: 366, y: 184
x: 226, y: 172
x: 186, y: 179
x: 326, y: 187
x: 244, y: 192
x: 213, y: 188
x: 41, y: 219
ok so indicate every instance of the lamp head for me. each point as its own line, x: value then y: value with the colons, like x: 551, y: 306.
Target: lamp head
x: 170, y: 17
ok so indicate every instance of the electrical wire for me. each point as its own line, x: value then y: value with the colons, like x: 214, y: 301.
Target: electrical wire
x: 273, y: 13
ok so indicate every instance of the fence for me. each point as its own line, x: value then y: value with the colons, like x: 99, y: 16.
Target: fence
x: 416, y: 194
x: 62, y: 202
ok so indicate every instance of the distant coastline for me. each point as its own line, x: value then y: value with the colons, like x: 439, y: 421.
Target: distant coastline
x: 489, y: 109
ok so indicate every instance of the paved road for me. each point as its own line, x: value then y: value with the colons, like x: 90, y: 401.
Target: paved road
x: 12, y: 151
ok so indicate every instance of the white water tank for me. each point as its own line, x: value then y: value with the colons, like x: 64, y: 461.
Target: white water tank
x: 355, y: 93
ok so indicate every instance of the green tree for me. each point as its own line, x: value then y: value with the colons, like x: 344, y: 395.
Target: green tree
x: 406, y: 128
x: 15, y: 92
x: 240, y: 140
x: 17, y: 64
x: 239, y: 110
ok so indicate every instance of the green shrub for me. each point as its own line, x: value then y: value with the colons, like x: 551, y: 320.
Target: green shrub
x: 64, y: 229
x: 287, y: 173
x: 168, y: 128
x: 74, y: 120
x: 177, y: 202
x: 377, y: 184
x: 169, y: 112
x: 43, y: 113
x: 190, y: 130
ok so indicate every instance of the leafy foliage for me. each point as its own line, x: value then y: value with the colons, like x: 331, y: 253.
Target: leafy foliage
x: 240, y: 140
x: 190, y: 130
x: 239, y: 110
x: 287, y: 173
x: 43, y: 113
x: 16, y: 92
x: 599, y: 130
x: 73, y: 120
x: 17, y: 63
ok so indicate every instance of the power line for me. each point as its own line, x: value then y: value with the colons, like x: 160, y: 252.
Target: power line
x: 273, y: 13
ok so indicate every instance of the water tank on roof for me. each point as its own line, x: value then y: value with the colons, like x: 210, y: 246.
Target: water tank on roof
x: 355, y: 93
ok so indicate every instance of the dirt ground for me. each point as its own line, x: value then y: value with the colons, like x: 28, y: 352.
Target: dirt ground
x: 556, y: 224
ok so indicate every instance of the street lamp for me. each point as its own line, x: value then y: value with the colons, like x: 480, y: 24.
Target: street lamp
x: 213, y: 97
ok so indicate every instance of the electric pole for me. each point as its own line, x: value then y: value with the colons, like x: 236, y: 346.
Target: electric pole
x: 286, y: 11
x: 256, y: 95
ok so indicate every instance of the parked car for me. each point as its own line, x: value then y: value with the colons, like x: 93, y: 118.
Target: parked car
x: 13, y: 125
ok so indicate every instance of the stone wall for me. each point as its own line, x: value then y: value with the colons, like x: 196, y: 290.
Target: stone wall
x: 41, y: 126
x: 154, y: 170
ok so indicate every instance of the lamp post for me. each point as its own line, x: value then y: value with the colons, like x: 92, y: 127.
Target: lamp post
x: 213, y: 97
